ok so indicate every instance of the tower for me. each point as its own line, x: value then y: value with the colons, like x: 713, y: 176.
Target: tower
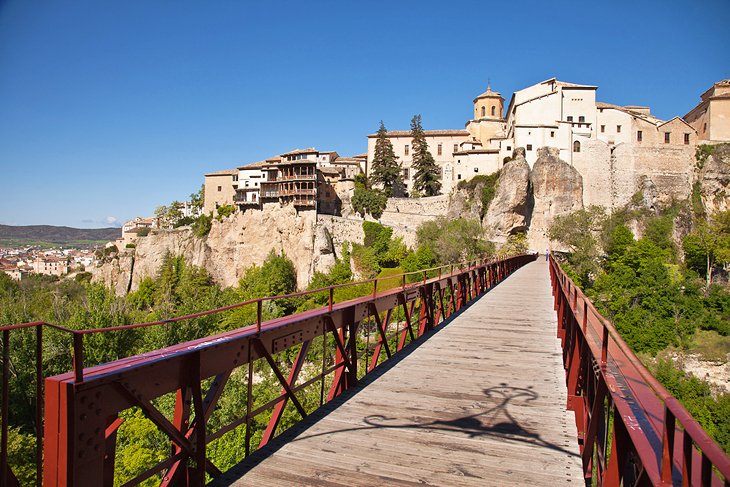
x: 488, y: 122
x: 489, y: 105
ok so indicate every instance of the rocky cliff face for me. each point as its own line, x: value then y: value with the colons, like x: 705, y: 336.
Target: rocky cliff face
x: 714, y: 178
x: 233, y: 245
x: 511, y: 209
x: 557, y: 189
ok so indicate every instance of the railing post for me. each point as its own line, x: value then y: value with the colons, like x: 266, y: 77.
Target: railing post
x: 258, y: 316
x: 78, y: 357
x: 604, y: 346
x: 668, y: 445
x: 331, y: 300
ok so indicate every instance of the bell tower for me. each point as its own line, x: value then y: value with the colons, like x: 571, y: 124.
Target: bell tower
x: 489, y: 105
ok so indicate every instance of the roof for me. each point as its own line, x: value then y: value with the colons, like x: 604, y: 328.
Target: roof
x: 631, y: 110
x: 226, y: 172
x: 488, y: 94
x: 677, y: 118
x: 255, y: 165
x: 427, y: 133
x: 310, y: 150
x: 361, y: 156
x: 347, y: 160
x: 330, y: 170
x: 565, y: 84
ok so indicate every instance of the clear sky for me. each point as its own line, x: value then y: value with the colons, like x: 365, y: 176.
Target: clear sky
x: 110, y: 109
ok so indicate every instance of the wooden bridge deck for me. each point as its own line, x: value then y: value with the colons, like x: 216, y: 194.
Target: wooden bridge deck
x: 481, y: 402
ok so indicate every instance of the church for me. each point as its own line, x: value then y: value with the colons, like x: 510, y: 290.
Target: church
x: 551, y: 113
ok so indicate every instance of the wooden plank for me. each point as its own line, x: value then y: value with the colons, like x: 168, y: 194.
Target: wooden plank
x: 481, y: 402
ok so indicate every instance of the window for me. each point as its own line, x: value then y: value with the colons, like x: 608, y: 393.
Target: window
x: 529, y: 146
x: 220, y: 188
x: 618, y: 129
x: 235, y: 177
x: 639, y: 136
x: 667, y: 137
x: 509, y: 147
x: 405, y: 173
x: 476, y: 169
x: 704, y: 128
x: 686, y: 139
x: 456, y: 147
x: 570, y: 118
x: 576, y: 146
x: 493, y: 110
x: 603, y: 128
x: 552, y: 133
x: 484, y: 111
x: 438, y: 150
x: 458, y: 176
x: 581, y: 119
x: 253, y: 197
x: 406, y: 151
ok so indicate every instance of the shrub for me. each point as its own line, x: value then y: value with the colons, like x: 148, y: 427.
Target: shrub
x: 130, y: 246
x: 201, y: 227
x: 224, y: 211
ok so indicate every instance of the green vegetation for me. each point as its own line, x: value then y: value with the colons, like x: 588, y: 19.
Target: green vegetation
x: 427, y: 176
x: 224, y: 211
x: 488, y: 189
x: 658, y: 301
x: 180, y: 289
x: 368, y: 200
x: 385, y: 169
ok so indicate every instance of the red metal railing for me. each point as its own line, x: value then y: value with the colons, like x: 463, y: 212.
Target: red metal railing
x: 82, y: 407
x: 631, y: 430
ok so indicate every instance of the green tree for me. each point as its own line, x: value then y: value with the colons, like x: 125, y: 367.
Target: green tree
x: 708, y: 245
x: 453, y: 241
x: 427, y: 178
x: 368, y: 200
x: 385, y: 168
x: 578, y: 231
x: 197, y: 200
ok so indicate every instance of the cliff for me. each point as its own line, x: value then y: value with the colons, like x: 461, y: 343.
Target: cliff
x: 233, y: 245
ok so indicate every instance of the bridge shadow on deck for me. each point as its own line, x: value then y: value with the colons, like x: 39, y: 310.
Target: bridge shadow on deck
x: 493, y: 418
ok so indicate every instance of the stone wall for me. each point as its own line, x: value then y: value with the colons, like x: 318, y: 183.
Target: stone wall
x: 411, y: 212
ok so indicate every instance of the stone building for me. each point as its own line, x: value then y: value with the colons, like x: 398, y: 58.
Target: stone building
x: 220, y: 189
x: 461, y: 154
x: 711, y: 118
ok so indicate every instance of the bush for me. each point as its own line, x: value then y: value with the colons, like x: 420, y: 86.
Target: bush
x: 201, y: 227
x: 130, y: 246
x: 224, y: 211
x: 453, y: 241
x: 143, y: 232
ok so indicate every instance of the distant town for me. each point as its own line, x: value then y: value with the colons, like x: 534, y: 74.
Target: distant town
x: 19, y: 263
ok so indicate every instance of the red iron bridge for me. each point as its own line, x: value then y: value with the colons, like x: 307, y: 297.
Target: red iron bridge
x: 487, y: 373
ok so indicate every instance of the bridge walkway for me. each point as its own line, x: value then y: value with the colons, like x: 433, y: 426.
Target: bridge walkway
x: 480, y: 402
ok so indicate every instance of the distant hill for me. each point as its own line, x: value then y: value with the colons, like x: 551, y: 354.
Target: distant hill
x: 49, y: 235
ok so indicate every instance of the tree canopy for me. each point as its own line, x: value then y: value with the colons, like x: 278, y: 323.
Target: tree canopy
x: 427, y: 177
x: 385, y: 169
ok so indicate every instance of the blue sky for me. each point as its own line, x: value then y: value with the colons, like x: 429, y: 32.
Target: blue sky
x: 109, y: 109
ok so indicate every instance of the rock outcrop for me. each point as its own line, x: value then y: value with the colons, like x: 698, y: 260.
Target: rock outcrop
x: 714, y: 178
x: 557, y: 189
x: 233, y: 245
x: 510, y: 210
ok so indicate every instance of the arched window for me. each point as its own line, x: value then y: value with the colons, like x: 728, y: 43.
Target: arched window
x: 493, y: 109
x: 576, y: 146
x: 484, y: 111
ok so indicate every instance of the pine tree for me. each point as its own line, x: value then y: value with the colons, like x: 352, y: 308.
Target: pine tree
x: 385, y: 168
x: 426, y: 179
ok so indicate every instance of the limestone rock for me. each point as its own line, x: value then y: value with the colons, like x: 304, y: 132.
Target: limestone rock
x: 464, y: 204
x: 715, y: 180
x: 323, y: 257
x: 557, y: 189
x: 509, y: 211
x: 233, y: 245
